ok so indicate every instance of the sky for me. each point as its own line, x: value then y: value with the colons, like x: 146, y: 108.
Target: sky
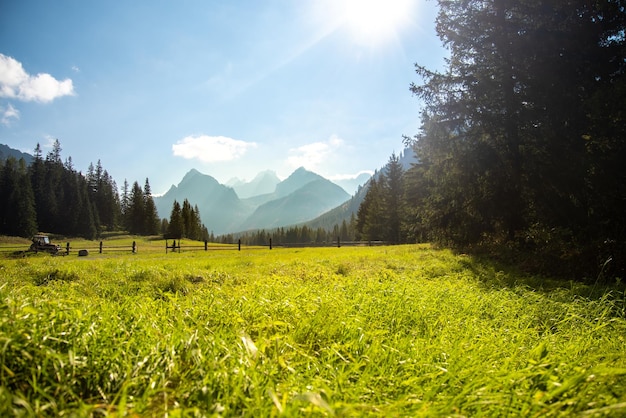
x: 154, y: 88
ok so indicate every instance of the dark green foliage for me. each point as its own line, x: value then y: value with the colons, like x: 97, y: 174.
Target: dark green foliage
x: 52, y: 196
x: 151, y: 218
x: 17, y: 212
x: 175, y: 228
x: 103, y: 192
x: 371, y: 216
x: 185, y: 222
x: 523, y: 134
x: 521, y: 150
x: 380, y: 215
x: 392, y: 189
x: 295, y: 235
x: 136, y: 210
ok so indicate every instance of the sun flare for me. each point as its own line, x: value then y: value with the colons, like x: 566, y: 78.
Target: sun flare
x: 374, y: 22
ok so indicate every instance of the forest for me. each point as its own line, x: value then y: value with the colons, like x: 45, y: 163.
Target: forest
x: 522, y: 142
x: 50, y: 195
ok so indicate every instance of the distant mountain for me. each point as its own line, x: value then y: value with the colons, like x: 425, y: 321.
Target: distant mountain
x: 264, y: 183
x: 295, y: 181
x: 6, y: 152
x: 340, y: 213
x: 352, y: 185
x: 307, y: 202
x: 302, y: 196
x: 220, y: 209
x: 351, y: 207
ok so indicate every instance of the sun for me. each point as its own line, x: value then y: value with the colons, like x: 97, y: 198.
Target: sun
x: 375, y: 22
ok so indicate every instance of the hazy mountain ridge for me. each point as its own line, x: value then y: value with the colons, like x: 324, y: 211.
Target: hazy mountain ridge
x: 6, y: 152
x: 352, y: 184
x: 303, y: 204
x: 346, y: 210
x: 263, y: 183
x: 216, y: 202
x: 304, y: 198
x: 304, y: 195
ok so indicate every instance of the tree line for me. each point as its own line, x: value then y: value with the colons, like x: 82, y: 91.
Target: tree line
x: 522, y: 143
x: 50, y: 195
x: 297, y: 234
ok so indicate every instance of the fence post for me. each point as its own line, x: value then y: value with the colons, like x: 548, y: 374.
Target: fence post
x: 239, y: 245
x: 67, y: 248
x: 338, y: 242
x: 270, y: 243
x: 206, y: 245
x: 100, y: 247
x: 134, y: 247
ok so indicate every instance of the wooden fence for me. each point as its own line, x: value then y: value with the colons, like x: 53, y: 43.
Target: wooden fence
x: 177, y: 246
x: 65, y: 250
x: 101, y: 248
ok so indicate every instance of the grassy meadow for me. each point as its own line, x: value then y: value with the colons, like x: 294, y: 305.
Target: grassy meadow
x: 372, y: 331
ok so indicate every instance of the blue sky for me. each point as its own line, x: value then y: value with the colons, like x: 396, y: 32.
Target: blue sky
x: 231, y: 88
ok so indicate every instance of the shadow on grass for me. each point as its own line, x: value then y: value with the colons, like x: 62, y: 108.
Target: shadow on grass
x: 495, y: 273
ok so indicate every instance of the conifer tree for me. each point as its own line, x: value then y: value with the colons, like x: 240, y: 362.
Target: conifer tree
x: 17, y: 212
x: 151, y: 217
x: 371, y: 216
x: 393, y: 198
x: 521, y: 133
x: 175, y: 228
x: 136, y: 210
x: 125, y: 204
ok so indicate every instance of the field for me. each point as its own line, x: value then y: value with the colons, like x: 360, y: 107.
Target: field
x: 373, y: 331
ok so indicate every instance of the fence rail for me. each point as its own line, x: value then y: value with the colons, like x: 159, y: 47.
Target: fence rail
x: 178, y: 246
x: 65, y: 250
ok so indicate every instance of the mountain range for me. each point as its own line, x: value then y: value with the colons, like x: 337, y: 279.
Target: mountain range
x: 6, y: 152
x: 304, y: 198
x: 301, y: 197
x: 266, y: 202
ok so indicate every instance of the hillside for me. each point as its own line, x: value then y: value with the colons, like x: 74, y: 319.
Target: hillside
x: 263, y: 183
x: 304, y: 203
x: 304, y: 195
x: 6, y: 152
x: 220, y: 208
x: 346, y: 210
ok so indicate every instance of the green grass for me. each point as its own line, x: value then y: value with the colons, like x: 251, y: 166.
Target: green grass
x: 384, y: 331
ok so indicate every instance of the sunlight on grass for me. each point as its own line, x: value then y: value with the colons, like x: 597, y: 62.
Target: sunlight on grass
x: 405, y: 330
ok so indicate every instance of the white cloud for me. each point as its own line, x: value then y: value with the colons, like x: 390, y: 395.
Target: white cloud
x: 8, y: 114
x: 15, y: 83
x: 312, y: 155
x: 210, y: 149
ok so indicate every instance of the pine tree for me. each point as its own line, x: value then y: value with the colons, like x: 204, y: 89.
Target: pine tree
x: 37, y: 179
x: 136, y: 210
x: 393, y: 197
x: 371, y: 216
x: 151, y: 217
x: 125, y: 204
x: 17, y: 212
x: 175, y: 228
x: 522, y: 131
